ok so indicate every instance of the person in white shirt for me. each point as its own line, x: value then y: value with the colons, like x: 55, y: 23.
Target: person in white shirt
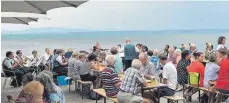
x: 221, y: 42
x: 33, y: 59
x: 46, y: 56
x: 169, y: 77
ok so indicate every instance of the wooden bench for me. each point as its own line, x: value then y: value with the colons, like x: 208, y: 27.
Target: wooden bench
x: 82, y: 85
x: 172, y: 99
x: 102, y: 92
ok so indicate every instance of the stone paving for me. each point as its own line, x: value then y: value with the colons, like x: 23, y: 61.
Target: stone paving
x: 71, y: 97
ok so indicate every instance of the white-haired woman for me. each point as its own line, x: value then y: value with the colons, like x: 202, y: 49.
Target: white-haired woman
x: 129, y: 89
x: 178, y: 56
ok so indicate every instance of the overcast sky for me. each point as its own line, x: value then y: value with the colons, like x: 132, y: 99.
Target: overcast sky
x: 136, y: 15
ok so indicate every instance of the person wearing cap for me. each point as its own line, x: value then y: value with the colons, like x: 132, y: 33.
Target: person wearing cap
x: 209, y: 50
x: 221, y: 42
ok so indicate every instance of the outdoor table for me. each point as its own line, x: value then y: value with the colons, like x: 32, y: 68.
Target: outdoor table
x: 152, y: 86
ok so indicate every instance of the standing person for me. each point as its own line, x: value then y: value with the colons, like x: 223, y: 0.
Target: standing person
x: 193, y: 48
x: 221, y: 42
x: 9, y: 66
x: 118, y: 65
x: 130, y: 53
x: 60, y: 63
x: 148, y: 68
x: 222, y: 84
x: 209, y: 50
x: 129, y: 91
x: 197, y: 67
x: 182, y: 72
x: 169, y: 75
x: 86, y: 67
x: 110, y: 78
x: 75, y: 65
x: 52, y: 57
x: 46, y: 56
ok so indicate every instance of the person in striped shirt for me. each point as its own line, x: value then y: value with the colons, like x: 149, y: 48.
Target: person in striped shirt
x: 110, y: 79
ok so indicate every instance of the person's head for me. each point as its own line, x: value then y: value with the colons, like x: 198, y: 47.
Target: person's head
x: 60, y: 52
x: 47, y: 50
x: 143, y: 58
x: 110, y: 59
x: 75, y: 55
x: 192, y: 47
x: 10, y: 54
x: 45, y: 78
x: 198, y: 56
x: 222, y: 40
x: 156, y: 52
x: 128, y: 40
x: 19, y: 52
x: 163, y: 58
x: 119, y: 46
x: 144, y: 48
x: 166, y: 47
x: 54, y: 51
x: 114, y: 51
x: 136, y: 63
x: 177, y: 52
x: 212, y: 58
x: 91, y: 57
x: 186, y: 54
x: 139, y: 46
x: 34, y: 89
x: 102, y: 55
x: 183, y: 46
x: 70, y: 50
x: 209, y: 46
x: 171, y: 51
x: 97, y: 44
x: 150, y: 53
x: 175, y: 47
x: 222, y: 53
x: 34, y: 53
x: 82, y: 57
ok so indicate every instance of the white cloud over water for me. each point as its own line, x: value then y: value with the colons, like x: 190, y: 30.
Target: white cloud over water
x: 139, y: 15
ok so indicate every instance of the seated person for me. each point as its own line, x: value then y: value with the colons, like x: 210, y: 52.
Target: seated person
x: 33, y: 59
x: 52, y: 93
x: 222, y: 84
x: 210, y: 75
x: 118, y: 60
x: 86, y: 66
x: 148, y: 68
x: 169, y: 75
x: 8, y: 64
x: 196, y: 66
x: 31, y: 95
x: 19, y: 58
x: 60, y: 63
x: 110, y: 78
x: 75, y: 63
x: 129, y: 89
x: 102, y: 56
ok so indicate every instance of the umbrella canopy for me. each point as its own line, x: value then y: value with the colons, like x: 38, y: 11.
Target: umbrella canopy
x: 20, y: 18
x: 39, y: 7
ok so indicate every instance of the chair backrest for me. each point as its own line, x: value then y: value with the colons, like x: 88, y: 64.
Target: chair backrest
x: 194, y: 79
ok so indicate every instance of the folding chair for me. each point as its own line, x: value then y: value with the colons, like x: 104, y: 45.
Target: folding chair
x: 7, y: 77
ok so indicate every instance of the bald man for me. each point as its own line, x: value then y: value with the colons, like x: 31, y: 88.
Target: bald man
x: 130, y: 53
x: 148, y: 68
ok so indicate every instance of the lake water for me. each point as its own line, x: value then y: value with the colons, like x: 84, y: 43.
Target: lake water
x: 85, y: 40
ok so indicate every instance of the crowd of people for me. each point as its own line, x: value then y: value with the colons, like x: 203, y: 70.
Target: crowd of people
x: 135, y: 62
